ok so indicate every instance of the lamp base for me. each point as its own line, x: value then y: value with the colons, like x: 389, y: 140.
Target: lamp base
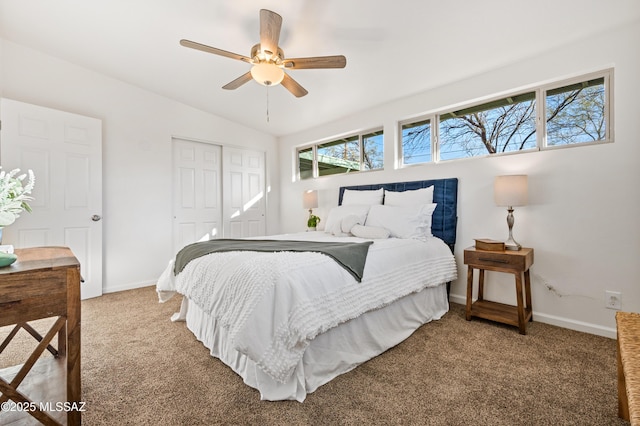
x: 511, y: 244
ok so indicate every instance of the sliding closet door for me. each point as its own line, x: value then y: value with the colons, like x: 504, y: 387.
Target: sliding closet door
x: 197, y: 209
x: 244, y: 194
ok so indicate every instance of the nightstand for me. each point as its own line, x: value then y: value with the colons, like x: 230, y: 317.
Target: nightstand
x: 508, y: 261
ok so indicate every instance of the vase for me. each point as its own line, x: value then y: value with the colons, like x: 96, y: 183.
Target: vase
x: 311, y: 228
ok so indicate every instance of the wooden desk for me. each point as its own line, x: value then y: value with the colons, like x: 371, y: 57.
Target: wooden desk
x: 44, y: 282
x: 513, y: 262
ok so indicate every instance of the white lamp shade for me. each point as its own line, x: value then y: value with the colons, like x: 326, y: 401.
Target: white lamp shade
x: 511, y: 190
x: 310, y: 199
x: 267, y: 74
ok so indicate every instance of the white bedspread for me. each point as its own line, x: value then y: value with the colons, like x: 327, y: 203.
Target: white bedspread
x: 274, y: 304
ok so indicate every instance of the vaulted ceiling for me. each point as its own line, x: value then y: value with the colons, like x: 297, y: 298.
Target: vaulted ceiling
x: 393, y: 48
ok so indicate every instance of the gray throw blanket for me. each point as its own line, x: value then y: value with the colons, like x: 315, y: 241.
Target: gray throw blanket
x: 351, y: 256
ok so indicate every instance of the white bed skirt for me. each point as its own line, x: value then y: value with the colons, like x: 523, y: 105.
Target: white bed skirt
x: 332, y: 353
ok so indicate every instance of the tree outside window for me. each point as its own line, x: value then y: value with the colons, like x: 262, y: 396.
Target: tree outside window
x: 500, y: 126
x: 573, y: 114
x: 351, y: 154
x: 373, y: 150
x: 341, y: 156
x: 576, y: 113
x: 416, y: 142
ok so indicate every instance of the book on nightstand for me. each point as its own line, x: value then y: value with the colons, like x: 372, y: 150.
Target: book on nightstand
x: 489, y: 245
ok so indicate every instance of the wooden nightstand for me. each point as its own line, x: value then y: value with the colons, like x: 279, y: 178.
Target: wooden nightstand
x: 513, y: 262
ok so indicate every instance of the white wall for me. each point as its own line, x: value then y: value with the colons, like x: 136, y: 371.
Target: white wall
x: 137, y: 131
x: 582, y: 219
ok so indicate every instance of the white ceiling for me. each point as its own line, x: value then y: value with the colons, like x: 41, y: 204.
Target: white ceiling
x: 393, y: 48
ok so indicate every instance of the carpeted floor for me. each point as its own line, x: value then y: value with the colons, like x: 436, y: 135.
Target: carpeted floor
x: 138, y: 368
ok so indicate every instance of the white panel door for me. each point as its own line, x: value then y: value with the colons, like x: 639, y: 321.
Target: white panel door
x: 244, y: 194
x: 197, y: 210
x: 64, y: 151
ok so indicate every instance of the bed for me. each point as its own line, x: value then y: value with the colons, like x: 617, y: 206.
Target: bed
x: 289, y: 321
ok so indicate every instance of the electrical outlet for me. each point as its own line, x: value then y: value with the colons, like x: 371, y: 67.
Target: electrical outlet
x: 613, y: 300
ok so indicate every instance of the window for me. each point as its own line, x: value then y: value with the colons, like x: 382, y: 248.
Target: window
x: 342, y: 156
x: 350, y: 154
x: 576, y: 113
x: 372, y: 150
x: 305, y: 163
x: 563, y: 114
x: 416, y: 142
x: 504, y: 125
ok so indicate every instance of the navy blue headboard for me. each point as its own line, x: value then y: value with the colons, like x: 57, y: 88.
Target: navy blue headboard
x: 445, y: 194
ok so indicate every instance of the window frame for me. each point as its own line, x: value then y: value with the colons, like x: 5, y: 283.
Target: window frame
x: 540, y: 119
x: 432, y: 145
x: 608, y: 107
x: 316, y: 145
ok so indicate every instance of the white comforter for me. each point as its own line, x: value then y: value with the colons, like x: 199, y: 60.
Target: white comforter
x: 274, y: 304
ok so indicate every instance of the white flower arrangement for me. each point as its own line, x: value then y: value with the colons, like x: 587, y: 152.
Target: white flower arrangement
x: 14, y: 196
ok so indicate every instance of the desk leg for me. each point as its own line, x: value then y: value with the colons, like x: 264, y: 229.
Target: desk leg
x: 481, y: 284
x: 469, y: 292
x: 522, y: 326
x: 73, y: 344
x: 62, y: 341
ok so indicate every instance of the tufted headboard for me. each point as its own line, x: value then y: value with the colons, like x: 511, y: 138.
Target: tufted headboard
x: 445, y: 194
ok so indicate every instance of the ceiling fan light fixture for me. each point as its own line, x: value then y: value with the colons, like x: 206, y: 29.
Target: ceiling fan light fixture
x: 267, y: 74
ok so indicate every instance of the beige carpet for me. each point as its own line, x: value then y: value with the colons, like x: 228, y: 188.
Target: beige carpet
x: 138, y: 368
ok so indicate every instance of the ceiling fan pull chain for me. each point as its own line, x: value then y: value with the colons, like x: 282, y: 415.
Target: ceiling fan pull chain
x: 267, y: 104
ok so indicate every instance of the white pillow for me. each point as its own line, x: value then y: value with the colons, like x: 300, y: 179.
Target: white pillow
x: 409, y: 198
x: 349, y: 221
x: 336, y: 214
x: 368, y: 198
x: 403, y: 221
x: 373, y: 232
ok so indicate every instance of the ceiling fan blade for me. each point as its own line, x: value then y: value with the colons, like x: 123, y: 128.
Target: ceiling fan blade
x: 337, y: 61
x: 270, y: 24
x: 215, y: 51
x: 291, y: 85
x: 238, y: 81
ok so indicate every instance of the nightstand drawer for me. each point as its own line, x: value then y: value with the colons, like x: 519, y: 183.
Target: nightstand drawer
x: 515, y: 261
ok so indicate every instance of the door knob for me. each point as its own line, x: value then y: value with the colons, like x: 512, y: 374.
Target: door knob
x: 96, y: 217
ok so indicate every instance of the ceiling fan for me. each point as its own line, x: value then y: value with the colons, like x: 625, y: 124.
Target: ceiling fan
x: 268, y: 59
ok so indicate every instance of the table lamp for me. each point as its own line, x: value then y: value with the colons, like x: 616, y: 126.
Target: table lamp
x: 310, y: 200
x: 510, y: 191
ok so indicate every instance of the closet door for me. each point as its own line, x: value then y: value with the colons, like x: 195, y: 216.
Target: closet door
x: 244, y: 192
x: 197, y: 209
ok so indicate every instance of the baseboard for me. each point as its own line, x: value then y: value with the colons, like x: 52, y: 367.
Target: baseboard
x: 130, y: 286
x: 570, y: 324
